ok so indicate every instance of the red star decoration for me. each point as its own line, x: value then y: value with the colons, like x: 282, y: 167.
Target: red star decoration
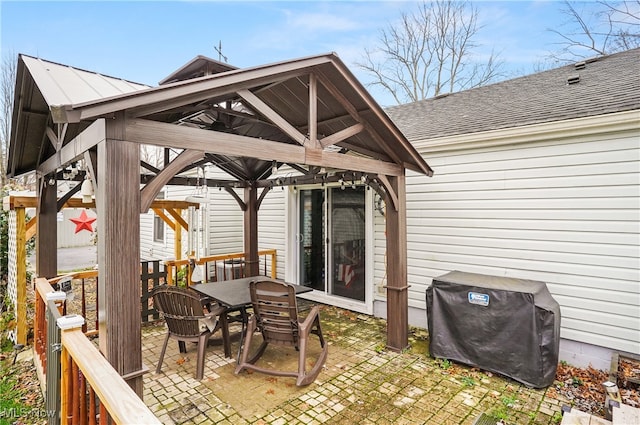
x: 84, y: 222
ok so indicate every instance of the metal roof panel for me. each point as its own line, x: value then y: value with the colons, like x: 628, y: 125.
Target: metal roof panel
x: 63, y: 85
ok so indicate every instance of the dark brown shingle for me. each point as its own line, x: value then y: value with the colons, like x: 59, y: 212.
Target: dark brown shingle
x: 606, y: 85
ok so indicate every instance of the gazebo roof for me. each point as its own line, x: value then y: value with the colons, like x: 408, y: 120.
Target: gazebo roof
x: 41, y: 84
x: 310, y: 113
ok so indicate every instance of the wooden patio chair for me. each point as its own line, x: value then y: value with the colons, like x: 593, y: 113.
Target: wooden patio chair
x: 275, y: 315
x: 187, y: 321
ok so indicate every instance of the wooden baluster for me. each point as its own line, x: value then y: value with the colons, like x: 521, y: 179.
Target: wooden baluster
x: 75, y: 405
x: 40, y: 330
x: 66, y: 389
x: 274, y: 270
x: 92, y: 406
x: 82, y: 398
x: 84, y: 306
x: 97, y: 325
x: 104, y: 415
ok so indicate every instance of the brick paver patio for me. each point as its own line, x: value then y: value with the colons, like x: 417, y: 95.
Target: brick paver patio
x: 362, y: 383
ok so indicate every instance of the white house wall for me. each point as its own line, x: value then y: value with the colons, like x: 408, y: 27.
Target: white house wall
x: 149, y: 249
x: 225, y: 223
x: 562, y: 212
x: 66, y: 228
x: 271, y: 226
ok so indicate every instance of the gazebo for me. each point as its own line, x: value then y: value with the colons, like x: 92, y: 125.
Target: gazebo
x: 310, y: 114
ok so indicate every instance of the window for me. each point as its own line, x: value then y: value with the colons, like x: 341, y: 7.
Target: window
x: 158, y: 224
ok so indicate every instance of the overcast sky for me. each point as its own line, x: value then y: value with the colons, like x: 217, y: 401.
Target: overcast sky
x: 144, y: 41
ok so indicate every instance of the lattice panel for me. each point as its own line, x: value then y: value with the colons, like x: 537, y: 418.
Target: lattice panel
x: 12, y: 272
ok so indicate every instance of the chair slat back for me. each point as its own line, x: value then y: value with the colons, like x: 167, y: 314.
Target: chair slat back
x: 276, y: 310
x: 181, y: 309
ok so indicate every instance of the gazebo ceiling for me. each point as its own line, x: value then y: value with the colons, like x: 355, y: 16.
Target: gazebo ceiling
x: 302, y: 112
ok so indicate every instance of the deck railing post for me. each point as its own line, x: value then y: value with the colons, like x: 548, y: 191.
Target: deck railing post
x: 52, y: 403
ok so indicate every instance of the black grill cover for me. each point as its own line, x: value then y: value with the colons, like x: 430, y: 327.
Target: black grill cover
x: 504, y: 325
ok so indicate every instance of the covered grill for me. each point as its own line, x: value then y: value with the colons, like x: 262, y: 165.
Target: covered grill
x: 504, y: 325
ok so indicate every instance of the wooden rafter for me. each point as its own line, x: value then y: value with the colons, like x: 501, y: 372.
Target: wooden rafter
x: 341, y: 135
x: 53, y: 138
x: 91, y: 161
x: 313, y: 112
x: 326, y: 82
x: 73, y: 150
x: 259, y: 106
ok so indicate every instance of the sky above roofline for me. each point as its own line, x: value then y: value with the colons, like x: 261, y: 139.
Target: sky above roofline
x: 144, y: 41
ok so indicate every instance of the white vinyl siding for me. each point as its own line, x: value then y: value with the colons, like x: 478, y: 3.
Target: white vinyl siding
x: 150, y: 250
x: 226, y: 220
x: 67, y: 236
x: 271, y: 226
x: 563, y: 212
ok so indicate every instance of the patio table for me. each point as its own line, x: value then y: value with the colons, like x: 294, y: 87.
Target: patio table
x: 235, y: 295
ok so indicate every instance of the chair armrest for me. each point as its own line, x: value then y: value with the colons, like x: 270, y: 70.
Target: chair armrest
x: 314, y: 314
x: 208, y: 322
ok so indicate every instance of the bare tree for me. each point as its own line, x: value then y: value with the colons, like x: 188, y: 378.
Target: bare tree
x: 7, y: 88
x: 152, y: 155
x: 430, y: 52
x: 594, y: 29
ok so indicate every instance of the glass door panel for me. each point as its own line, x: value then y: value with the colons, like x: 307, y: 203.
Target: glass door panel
x: 347, y: 242
x: 312, y: 238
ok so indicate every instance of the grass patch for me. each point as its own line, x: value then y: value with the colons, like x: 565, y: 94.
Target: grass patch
x: 21, y: 400
x: 10, y: 396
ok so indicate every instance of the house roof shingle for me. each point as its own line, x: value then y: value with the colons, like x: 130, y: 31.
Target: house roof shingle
x: 606, y: 85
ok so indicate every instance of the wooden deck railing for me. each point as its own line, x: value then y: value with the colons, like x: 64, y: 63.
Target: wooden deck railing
x: 218, y: 267
x: 91, y: 390
x: 46, y: 348
x: 83, y: 284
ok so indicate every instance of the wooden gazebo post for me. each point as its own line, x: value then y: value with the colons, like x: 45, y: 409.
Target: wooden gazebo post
x: 397, y: 288
x: 251, y: 230
x: 47, y: 228
x: 118, y: 202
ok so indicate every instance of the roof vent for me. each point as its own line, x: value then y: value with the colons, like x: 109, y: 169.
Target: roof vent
x: 573, y: 79
x: 580, y: 65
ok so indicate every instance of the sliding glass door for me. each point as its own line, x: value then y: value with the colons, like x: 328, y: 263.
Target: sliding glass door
x: 332, y: 248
